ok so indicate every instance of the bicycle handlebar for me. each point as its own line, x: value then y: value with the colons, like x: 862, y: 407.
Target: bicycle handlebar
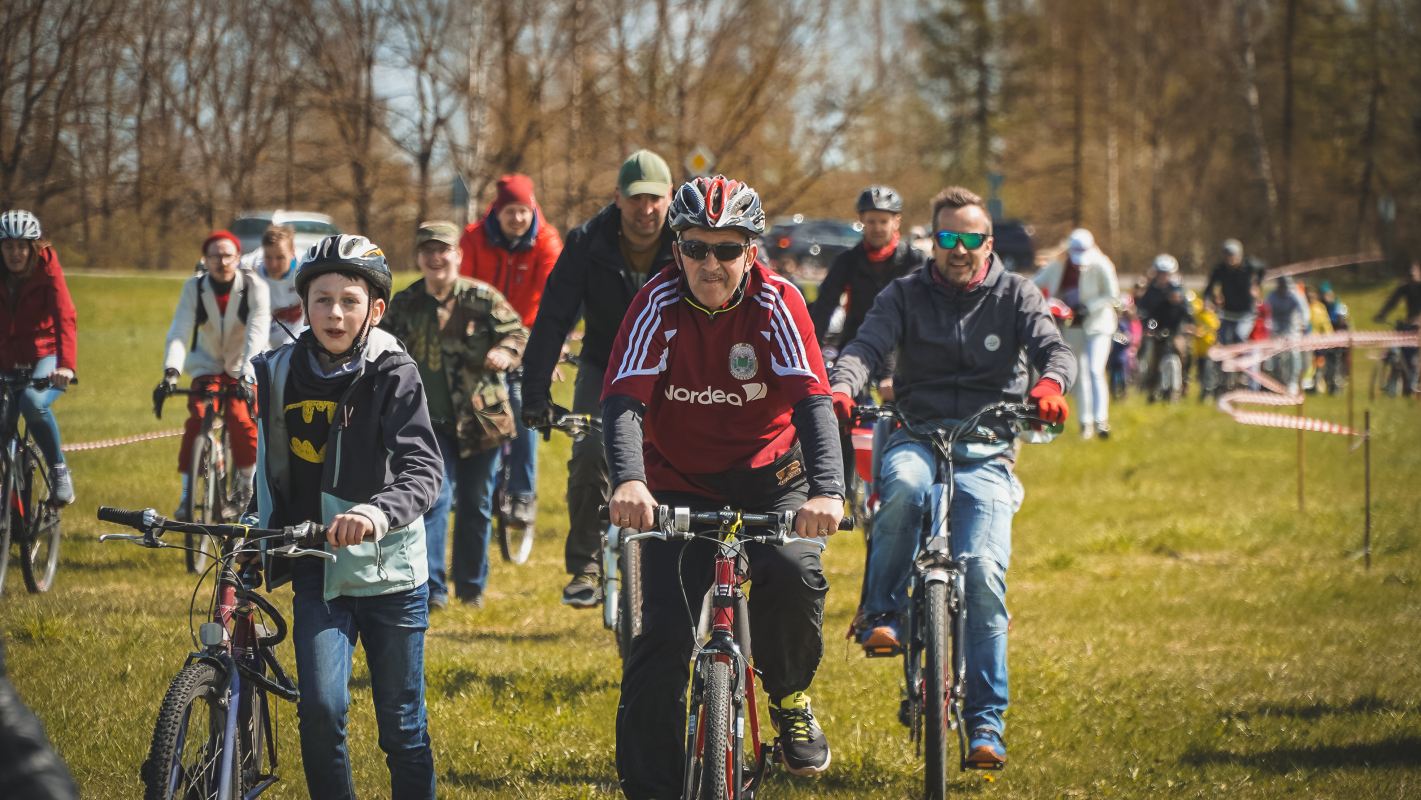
x: 296, y: 540
x: 675, y: 523
x: 1016, y: 412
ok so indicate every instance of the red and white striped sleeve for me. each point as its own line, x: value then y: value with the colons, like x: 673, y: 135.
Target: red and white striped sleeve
x: 795, y: 358
x: 640, y: 350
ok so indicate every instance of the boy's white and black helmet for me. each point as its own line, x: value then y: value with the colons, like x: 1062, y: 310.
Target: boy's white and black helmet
x: 716, y: 204
x: 19, y: 225
x: 345, y: 253
x: 879, y: 198
x: 1166, y: 264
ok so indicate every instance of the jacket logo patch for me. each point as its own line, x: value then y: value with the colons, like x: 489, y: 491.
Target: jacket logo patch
x: 992, y: 342
x: 788, y: 473
x: 755, y: 391
x: 743, y: 364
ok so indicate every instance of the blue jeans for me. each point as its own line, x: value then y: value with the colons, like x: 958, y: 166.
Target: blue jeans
x: 34, y: 405
x: 391, y: 628
x: 468, y: 488
x: 986, y: 496
x: 523, y: 481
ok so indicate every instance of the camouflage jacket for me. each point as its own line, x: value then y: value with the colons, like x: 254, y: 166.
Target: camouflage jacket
x: 480, y: 320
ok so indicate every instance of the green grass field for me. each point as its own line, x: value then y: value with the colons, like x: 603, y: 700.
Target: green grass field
x: 1180, y: 628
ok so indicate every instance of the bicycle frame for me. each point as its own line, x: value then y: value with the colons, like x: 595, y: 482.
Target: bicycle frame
x: 230, y: 641
x: 11, y: 461
x: 727, y: 639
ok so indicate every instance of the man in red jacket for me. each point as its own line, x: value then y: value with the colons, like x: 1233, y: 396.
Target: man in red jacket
x: 512, y: 249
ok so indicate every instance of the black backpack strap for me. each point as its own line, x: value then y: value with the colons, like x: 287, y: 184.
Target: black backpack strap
x: 243, y: 309
x: 200, y: 318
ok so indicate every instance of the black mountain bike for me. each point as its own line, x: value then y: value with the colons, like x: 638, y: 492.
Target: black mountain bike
x: 216, y: 734
x: 934, y: 664
x: 31, y: 520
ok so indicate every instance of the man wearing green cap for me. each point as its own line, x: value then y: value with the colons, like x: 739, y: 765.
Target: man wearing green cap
x: 603, y: 264
x: 464, y: 337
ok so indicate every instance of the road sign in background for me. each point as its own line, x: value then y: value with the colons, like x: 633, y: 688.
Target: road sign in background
x: 699, y: 161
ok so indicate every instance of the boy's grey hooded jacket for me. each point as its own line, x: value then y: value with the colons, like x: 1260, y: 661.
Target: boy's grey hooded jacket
x: 386, y: 466
x: 957, y: 350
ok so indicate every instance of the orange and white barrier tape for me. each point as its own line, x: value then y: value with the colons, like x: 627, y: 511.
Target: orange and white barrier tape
x: 1354, y: 260
x: 142, y: 437
x: 1246, y: 357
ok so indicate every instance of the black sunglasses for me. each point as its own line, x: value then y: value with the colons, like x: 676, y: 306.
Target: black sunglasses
x: 725, y: 252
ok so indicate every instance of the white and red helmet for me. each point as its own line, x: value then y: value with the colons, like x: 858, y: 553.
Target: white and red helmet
x: 717, y: 203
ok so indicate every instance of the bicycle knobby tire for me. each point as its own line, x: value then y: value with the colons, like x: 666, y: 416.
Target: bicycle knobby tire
x: 183, y: 760
x: 39, y: 544
x: 715, y: 756
x: 937, y: 673
x: 629, y: 598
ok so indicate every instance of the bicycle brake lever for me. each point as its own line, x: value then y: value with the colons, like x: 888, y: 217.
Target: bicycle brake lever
x: 292, y: 551
x: 138, y: 540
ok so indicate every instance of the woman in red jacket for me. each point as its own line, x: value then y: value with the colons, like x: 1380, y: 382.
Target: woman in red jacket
x: 512, y: 249
x: 37, y: 330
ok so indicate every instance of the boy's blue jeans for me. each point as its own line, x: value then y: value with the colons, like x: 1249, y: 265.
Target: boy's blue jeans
x: 986, y: 496
x: 391, y: 628
x: 39, y: 421
x: 468, y: 492
x: 523, y: 480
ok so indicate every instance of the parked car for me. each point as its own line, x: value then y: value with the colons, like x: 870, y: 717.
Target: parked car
x: 811, y: 244
x: 1011, y: 241
x: 310, y: 227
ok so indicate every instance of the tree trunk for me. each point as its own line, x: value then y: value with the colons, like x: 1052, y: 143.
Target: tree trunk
x: 1078, y: 143
x: 1255, y: 120
x: 1285, y: 198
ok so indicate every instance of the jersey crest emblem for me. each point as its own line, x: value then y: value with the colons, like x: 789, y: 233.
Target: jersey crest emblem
x: 743, y: 364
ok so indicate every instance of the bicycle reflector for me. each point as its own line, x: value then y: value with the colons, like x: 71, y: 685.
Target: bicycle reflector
x: 863, y: 452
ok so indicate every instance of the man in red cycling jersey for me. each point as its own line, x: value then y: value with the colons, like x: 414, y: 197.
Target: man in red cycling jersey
x: 715, y: 396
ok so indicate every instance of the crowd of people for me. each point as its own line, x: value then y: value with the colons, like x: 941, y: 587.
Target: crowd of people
x: 384, y: 414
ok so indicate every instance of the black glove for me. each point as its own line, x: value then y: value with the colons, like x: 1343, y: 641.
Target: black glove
x: 247, y: 393
x: 537, y: 416
x: 164, y: 388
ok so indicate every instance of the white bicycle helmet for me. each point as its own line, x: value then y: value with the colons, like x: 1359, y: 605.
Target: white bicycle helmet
x: 1166, y: 263
x: 19, y: 225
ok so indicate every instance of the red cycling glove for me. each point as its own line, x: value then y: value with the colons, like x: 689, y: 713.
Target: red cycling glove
x: 844, y: 407
x: 1047, y: 394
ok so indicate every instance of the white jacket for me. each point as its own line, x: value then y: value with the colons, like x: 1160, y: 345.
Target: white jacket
x: 224, y: 344
x: 1098, y: 289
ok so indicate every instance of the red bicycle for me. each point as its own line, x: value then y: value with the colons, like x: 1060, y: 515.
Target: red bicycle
x: 724, y: 759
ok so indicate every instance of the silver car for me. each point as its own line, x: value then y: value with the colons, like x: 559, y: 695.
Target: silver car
x: 310, y: 227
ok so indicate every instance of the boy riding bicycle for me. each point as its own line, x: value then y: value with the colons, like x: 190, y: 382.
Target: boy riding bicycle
x: 960, y: 329
x: 345, y: 440
x: 717, y: 361
x: 220, y: 324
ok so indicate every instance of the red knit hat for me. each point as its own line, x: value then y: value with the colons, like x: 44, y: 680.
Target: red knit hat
x: 513, y: 189
x: 222, y: 235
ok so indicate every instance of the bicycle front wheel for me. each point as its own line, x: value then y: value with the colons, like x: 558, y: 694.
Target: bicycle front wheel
x: 39, y: 546
x: 5, y: 526
x: 629, y: 598
x: 204, y: 502
x: 937, y: 673
x: 185, y: 759
x: 717, y: 761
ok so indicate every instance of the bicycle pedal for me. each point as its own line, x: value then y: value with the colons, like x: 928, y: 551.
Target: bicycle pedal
x: 998, y: 767
x: 883, y: 652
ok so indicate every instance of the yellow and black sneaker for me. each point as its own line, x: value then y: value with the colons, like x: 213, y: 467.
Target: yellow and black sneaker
x: 803, y: 747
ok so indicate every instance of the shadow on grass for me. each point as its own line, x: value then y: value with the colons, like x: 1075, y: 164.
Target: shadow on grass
x: 1365, y: 704
x: 469, y: 637
x: 1389, y: 753
x: 538, y: 683
x: 504, y: 781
